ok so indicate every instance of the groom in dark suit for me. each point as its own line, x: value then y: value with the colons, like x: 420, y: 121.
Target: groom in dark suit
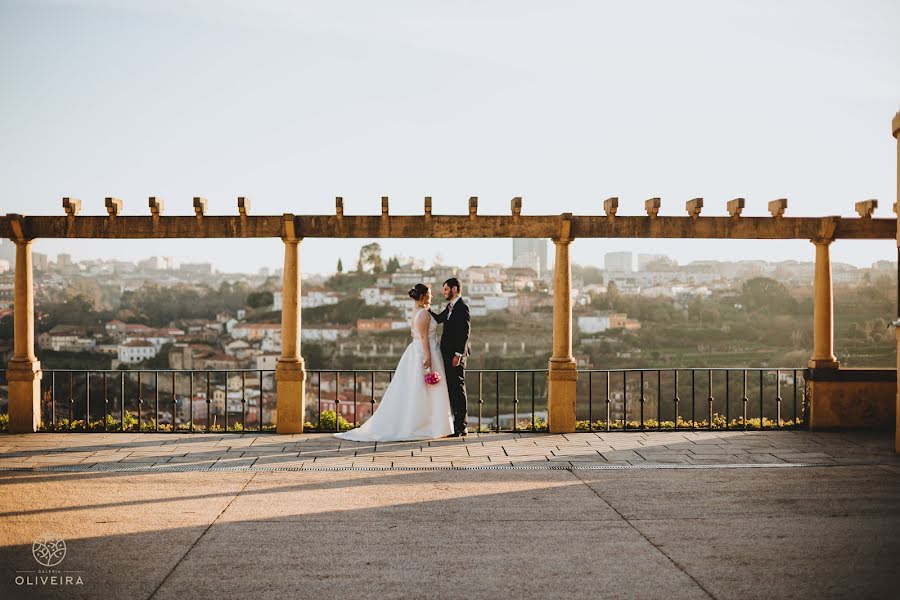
x: 455, y: 350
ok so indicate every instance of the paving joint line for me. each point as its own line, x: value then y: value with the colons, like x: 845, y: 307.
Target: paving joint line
x: 169, y: 468
x: 648, y: 540
x: 200, y: 537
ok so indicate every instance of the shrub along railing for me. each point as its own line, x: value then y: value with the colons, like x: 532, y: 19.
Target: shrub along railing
x: 244, y: 399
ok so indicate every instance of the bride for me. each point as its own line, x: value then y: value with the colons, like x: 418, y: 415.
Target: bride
x: 411, y: 409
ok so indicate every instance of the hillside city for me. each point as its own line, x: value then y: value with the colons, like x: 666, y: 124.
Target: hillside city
x: 635, y: 311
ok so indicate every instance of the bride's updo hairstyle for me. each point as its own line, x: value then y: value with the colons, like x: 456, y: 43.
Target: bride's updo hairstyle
x: 418, y: 292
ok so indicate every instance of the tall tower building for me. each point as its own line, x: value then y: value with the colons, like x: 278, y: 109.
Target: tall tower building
x: 526, y: 250
x: 619, y: 262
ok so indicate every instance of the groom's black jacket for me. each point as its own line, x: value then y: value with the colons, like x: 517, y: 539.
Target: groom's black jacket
x: 455, y: 337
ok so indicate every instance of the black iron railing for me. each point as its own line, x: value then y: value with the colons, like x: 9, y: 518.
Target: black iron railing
x: 727, y: 398
x: 338, y: 399
x: 157, y: 400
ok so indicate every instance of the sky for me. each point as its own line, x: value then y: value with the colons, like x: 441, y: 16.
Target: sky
x: 563, y: 104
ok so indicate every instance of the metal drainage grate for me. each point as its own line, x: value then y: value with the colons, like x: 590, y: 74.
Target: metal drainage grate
x: 650, y: 466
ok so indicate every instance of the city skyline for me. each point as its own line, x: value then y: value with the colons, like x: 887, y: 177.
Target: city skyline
x: 608, y: 262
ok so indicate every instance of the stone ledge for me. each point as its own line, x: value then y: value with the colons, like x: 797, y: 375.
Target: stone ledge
x: 844, y: 374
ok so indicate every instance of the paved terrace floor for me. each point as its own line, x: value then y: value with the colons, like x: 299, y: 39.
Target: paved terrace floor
x: 605, y: 515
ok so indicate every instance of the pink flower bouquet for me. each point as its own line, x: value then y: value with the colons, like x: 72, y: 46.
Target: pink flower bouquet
x: 432, y: 377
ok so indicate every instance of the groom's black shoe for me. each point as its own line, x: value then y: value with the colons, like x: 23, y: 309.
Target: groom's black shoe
x: 462, y: 433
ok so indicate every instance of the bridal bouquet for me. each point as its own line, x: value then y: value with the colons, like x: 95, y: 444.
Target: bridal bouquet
x: 432, y: 377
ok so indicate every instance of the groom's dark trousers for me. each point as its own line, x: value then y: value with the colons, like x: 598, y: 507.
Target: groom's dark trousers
x: 455, y: 339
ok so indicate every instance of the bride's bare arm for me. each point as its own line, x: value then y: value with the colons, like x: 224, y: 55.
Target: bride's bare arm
x: 423, y: 322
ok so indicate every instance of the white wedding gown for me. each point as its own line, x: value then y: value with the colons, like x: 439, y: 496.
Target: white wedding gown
x: 410, y: 409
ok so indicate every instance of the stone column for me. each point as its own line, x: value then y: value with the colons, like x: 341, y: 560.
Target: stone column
x: 290, y: 375
x: 24, y: 370
x: 823, y: 311
x: 563, y: 375
x: 895, y: 129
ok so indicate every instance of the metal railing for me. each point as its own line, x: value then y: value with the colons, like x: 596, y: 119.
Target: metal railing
x: 350, y: 393
x: 237, y: 400
x: 157, y: 400
x: 729, y: 398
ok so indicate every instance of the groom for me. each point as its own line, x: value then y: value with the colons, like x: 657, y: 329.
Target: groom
x: 455, y: 350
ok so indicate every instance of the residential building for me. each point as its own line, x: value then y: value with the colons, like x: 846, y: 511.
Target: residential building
x: 377, y: 295
x: 377, y: 325
x: 484, y: 288
x: 135, y: 351
x: 257, y: 331
x: 315, y: 296
x: 325, y: 333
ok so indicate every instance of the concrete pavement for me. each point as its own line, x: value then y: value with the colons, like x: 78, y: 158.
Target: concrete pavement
x: 318, y: 450
x: 698, y: 531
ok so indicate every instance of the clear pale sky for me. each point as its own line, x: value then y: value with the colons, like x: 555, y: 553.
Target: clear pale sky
x: 562, y: 103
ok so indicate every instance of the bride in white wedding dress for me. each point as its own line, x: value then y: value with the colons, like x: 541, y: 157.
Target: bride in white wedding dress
x: 411, y: 409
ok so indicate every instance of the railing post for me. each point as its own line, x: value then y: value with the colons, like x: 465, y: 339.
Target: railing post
x: 562, y: 375
x: 290, y: 375
x: 24, y: 370
x: 895, y: 129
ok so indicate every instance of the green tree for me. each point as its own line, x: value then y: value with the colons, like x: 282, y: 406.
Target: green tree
x: 259, y: 299
x: 370, y: 258
x: 345, y: 312
x: 88, y: 289
x: 766, y: 294
x: 76, y: 310
x: 588, y: 274
x: 612, y: 290
x: 158, y: 306
x: 340, y: 266
x: 393, y: 265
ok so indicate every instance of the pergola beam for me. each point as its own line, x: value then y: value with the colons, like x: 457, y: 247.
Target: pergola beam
x: 446, y: 226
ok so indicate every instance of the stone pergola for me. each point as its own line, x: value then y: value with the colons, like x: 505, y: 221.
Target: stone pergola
x: 24, y: 372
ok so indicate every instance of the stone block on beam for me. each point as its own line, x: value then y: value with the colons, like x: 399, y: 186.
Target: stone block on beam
x: 473, y: 207
x: 384, y: 206
x: 693, y: 207
x: 777, y: 207
x: 72, y: 206
x: 610, y: 207
x: 428, y: 206
x: 156, y: 205
x: 200, y: 205
x: 243, y: 206
x: 736, y: 207
x: 866, y: 208
x: 652, y: 207
x: 516, y: 206
x: 113, y: 207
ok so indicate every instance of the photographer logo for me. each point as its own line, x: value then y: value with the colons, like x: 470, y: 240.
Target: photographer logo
x: 49, y: 550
